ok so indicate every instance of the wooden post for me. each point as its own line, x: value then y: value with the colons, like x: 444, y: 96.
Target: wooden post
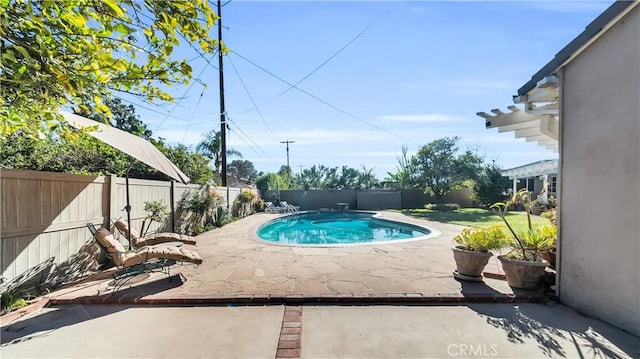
x: 113, y: 199
x: 172, y: 196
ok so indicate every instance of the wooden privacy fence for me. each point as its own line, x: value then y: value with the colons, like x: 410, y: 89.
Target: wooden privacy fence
x: 44, y: 216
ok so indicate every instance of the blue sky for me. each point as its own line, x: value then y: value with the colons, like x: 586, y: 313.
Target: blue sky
x: 419, y: 72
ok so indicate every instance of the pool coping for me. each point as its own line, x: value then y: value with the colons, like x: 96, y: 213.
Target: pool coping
x: 252, y: 232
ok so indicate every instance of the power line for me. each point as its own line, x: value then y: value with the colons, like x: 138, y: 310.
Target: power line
x: 150, y: 109
x: 208, y: 62
x: 247, y: 136
x: 323, y: 101
x: 192, y: 116
x: 319, y: 66
x: 248, y: 145
x: 251, y: 98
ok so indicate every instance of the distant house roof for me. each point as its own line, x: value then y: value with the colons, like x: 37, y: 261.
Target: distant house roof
x: 539, y: 122
x: 534, y: 169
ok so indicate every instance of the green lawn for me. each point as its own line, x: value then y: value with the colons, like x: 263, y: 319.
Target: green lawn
x: 476, y: 217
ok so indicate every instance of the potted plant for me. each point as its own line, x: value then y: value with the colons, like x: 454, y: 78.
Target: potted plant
x: 543, y: 239
x: 523, y: 266
x: 472, y: 251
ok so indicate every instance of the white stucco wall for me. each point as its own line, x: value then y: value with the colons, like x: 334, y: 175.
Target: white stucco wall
x: 600, y: 167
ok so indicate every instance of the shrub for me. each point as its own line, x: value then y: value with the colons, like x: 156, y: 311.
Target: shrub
x: 244, y: 204
x: 442, y: 206
x: 246, y: 197
x: 482, y: 239
x: 258, y: 206
x: 197, y: 209
x: 491, y: 186
x: 551, y: 215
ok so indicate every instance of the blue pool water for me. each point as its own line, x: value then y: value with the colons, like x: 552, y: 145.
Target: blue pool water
x: 336, y: 228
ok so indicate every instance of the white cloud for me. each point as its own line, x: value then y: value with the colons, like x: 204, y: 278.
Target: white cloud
x: 422, y: 118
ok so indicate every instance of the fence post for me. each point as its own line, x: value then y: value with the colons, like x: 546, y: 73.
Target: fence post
x: 172, y: 196
x: 113, y: 199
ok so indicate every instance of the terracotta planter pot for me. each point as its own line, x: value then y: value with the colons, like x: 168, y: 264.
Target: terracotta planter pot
x: 522, y: 274
x: 469, y: 264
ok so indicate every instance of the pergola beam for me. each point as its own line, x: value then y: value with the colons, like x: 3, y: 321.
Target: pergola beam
x: 520, y: 126
x: 507, y: 118
x: 533, y: 127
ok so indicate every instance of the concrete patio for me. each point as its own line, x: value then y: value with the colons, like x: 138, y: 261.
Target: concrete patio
x: 236, y: 265
x: 504, y: 330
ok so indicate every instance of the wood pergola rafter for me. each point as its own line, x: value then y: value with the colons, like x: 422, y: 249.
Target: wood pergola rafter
x: 533, y: 127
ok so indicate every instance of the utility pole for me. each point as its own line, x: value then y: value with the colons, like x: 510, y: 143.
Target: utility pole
x: 223, y: 122
x: 288, y: 142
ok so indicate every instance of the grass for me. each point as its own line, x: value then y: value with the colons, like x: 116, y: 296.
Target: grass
x: 477, y: 217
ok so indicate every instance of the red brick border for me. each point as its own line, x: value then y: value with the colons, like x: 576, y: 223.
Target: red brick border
x: 290, y: 341
x: 300, y: 299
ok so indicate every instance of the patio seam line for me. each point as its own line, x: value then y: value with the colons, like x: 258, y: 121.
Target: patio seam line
x: 299, y: 299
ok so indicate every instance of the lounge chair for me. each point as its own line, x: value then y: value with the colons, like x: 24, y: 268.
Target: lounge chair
x: 142, y: 260
x: 151, y: 239
x: 288, y: 207
x: 269, y: 207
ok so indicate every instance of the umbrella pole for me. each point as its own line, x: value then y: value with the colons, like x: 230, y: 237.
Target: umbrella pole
x: 128, y: 206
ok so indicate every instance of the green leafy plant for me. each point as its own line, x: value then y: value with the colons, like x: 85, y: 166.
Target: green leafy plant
x: 491, y: 186
x: 551, y: 215
x: 243, y: 205
x: 540, y: 238
x: 10, y: 298
x: 156, y: 211
x: 482, y: 239
x: 530, y: 242
x: 258, y: 206
x: 66, y: 53
x: 246, y: 197
x: 220, y: 216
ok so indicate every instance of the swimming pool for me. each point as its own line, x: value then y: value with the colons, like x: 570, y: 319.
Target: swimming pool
x: 334, y: 229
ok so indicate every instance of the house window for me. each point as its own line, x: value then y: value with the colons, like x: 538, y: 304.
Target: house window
x: 530, y: 184
x: 552, y: 184
x: 522, y: 183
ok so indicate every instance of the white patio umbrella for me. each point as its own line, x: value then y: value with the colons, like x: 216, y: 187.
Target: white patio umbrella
x: 136, y: 147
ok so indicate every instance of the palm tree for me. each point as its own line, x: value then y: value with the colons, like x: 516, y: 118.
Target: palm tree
x: 211, y: 147
x: 366, y: 178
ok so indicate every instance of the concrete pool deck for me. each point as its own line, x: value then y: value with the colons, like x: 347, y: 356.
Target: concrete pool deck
x: 236, y: 266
